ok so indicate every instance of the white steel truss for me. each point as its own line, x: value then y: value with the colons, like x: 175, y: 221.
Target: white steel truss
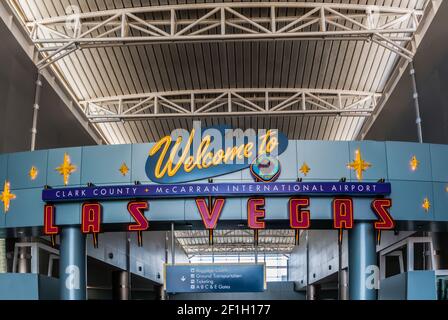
x: 387, y: 26
x: 231, y: 102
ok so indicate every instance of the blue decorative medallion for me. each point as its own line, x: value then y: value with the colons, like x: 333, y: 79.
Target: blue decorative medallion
x: 265, y: 168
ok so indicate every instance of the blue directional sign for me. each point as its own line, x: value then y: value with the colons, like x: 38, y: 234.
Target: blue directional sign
x: 215, y: 278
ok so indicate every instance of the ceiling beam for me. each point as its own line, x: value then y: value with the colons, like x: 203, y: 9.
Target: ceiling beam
x: 390, y: 27
x: 230, y: 102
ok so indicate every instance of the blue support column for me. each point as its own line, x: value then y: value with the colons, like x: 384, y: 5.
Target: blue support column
x: 362, y: 261
x: 72, y: 264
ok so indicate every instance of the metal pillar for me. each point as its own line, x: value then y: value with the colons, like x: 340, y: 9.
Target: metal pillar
x: 418, y: 120
x: 120, y: 285
x: 307, y: 249
x: 167, y: 253
x: 128, y: 267
x: 23, y: 261
x: 362, y: 261
x: 36, y: 110
x: 343, y: 284
x: 256, y: 254
x: 72, y: 264
x: 23, y: 265
x: 161, y: 291
x: 3, y: 261
x: 342, y: 276
x: 310, y: 289
x: 312, y: 292
x: 173, y: 245
x: 340, y: 281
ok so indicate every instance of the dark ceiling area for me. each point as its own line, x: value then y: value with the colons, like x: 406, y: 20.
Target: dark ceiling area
x: 397, y: 120
x: 57, y: 127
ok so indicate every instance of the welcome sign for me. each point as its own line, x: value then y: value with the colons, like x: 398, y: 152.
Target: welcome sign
x: 202, y: 154
x: 205, y: 153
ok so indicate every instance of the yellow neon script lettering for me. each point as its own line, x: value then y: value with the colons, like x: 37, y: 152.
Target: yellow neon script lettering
x: 204, y: 158
x: 268, y: 143
x: 159, y: 173
x: 205, y: 143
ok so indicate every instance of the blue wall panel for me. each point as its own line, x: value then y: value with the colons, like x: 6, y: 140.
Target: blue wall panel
x: 407, y: 200
x: 327, y: 159
x: 399, y: 155
x: 28, y: 286
x: 116, y: 212
x: 56, y: 158
x: 140, y: 153
x: 234, y: 176
x: 421, y: 285
x: 393, y: 288
x: 19, y: 166
x: 374, y: 153
x: 27, y: 210
x: 276, y: 208
x: 2, y: 217
x: 439, y: 161
x: 19, y: 286
x: 440, y: 201
x: 320, y: 209
x: 101, y: 164
x: 68, y: 213
x: 166, y: 210
x: 362, y: 209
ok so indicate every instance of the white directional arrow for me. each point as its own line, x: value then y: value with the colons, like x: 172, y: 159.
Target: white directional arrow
x: 183, y: 278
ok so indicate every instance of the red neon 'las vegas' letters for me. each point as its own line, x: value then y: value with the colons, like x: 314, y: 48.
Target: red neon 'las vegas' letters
x: 299, y: 218
x: 210, y: 219
x: 299, y: 214
x: 255, y: 212
x: 343, y: 213
x: 380, y: 208
x: 91, y: 218
x: 49, y: 218
x: 137, y: 209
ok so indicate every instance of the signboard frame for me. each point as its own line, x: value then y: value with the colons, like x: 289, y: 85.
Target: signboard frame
x: 165, y: 265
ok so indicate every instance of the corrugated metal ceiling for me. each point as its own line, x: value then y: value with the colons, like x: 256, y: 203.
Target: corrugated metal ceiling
x: 111, y: 71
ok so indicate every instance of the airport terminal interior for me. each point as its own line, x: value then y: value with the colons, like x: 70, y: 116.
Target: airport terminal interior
x: 334, y: 113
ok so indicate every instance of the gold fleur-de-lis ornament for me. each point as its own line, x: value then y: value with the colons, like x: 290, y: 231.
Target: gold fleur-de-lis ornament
x: 124, y: 169
x: 305, y: 169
